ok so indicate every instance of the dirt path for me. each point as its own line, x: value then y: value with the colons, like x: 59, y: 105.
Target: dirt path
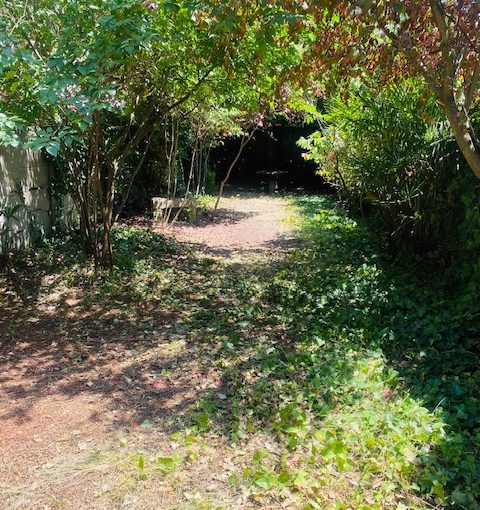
x: 95, y: 374
x: 245, y: 223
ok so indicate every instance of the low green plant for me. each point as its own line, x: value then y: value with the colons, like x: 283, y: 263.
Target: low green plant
x: 331, y: 378
x: 9, y: 213
x: 367, y: 388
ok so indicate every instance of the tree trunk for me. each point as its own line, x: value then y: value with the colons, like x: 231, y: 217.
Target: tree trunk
x: 107, y: 249
x: 107, y: 213
x: 464, y: 135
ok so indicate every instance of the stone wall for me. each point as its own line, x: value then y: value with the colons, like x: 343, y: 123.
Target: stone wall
x: 24, y: 182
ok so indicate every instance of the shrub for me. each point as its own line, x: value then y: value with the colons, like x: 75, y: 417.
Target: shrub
x: 392, y: 154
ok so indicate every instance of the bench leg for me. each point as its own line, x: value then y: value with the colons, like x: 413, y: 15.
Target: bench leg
x: 158, y: 214
x: 272, y: 185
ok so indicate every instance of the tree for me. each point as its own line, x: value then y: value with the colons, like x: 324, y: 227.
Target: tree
x: 65, y: 71
x: 340, y: 39
x: 437, y: 40
x: 93, y: 82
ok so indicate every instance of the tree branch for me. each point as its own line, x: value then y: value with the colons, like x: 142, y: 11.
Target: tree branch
x: 245, y: 139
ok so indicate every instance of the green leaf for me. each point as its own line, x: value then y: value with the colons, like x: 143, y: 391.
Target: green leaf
x: 168, y: 464
x: 259, y: 455
x: 300, y: 479
x: 53, y: 148
x: 171, y: 6
x: 233, y: 479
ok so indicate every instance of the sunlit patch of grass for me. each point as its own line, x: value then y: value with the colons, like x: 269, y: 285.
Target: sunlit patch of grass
x: 355, y: 429
x: 205, y: 202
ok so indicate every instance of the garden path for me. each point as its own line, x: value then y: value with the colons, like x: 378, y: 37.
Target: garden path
x: 94, y: 372
x: 230, y: 371
x: 245, y: 223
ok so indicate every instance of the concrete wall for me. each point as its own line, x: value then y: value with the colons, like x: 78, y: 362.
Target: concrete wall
x: 24, y: 179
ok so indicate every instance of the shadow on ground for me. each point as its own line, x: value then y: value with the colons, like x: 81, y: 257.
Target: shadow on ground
x: 177, y: 339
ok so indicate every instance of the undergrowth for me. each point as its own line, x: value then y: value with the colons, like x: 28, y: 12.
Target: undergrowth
x: 366, y: 374
x: 362, y: 372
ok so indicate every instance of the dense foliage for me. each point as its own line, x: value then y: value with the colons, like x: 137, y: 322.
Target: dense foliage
x: 107, y: 85
x: 97, y: 83
x: 435, y: 40
x: 394, y: 152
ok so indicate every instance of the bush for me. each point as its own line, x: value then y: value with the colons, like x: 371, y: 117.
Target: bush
x: 392, y: 154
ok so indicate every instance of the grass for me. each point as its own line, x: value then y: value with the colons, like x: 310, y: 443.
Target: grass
x: 332, y: 377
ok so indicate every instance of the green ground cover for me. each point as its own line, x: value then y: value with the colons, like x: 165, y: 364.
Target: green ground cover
x: 359, y: 376
x: 369, y: 379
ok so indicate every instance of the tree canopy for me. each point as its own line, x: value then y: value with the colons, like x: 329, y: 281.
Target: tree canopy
x: 436, y: 40
x: 93, y: 82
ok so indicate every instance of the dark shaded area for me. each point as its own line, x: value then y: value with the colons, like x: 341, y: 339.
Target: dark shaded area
x: 272, y: 149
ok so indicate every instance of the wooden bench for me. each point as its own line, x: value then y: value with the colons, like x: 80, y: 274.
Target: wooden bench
x: 161, y: 204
